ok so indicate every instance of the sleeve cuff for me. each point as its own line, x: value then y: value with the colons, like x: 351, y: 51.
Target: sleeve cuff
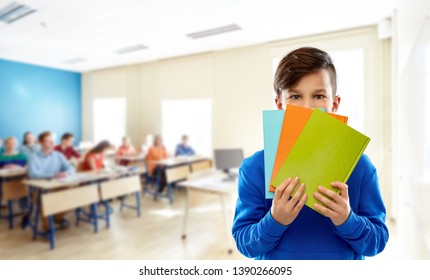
x: 350, y: 226
x: 272, y: 228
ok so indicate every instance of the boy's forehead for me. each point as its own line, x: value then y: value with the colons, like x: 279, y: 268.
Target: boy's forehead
x: 319, y: 80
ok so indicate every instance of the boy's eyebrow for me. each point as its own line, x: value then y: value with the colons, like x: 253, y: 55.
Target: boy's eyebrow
x: 293, y: 91
x: 321, y: 90
x: 296, y: 91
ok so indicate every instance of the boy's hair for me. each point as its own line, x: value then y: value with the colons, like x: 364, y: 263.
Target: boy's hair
x: 66, y: 136
x: 11, y: 138
x: 43, y: 135
x: 299, y: 63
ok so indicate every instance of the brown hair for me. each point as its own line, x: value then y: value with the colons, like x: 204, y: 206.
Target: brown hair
x: 24, y: 141
x: 11, y: 138
x: 157, y: 137
x: 100, y: 147
x: 43, y: 135
x: 299, y: 63
x: 66, y: 136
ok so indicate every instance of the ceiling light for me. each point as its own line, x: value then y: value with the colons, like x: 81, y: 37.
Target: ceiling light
x: 74, y: 60
x: 14, y: 11
x: 214, y: 31
x: 131, y: 49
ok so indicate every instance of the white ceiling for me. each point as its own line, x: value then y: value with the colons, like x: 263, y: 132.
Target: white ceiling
x: 62, y: 30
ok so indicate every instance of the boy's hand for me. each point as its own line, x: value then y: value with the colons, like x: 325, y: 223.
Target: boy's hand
x: 338, y: 208
x: 285, y: 210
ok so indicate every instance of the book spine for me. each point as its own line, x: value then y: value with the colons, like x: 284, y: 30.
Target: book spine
x: 351, y: 169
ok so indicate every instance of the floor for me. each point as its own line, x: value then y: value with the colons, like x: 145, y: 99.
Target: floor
x: 155, y: 235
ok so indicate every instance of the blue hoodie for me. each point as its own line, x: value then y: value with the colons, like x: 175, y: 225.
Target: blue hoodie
x: 311, y: 235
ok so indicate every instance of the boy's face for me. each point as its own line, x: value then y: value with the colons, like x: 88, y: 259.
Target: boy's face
x: 68, y: 142
x: 313, y: 91
x: 10, y: 145
x: 47, y: 143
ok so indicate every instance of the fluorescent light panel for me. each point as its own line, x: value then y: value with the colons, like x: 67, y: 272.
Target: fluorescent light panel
x: 214, y: 31
x: 14, y: 12
x: 75, y: 60
x: 131, y: 49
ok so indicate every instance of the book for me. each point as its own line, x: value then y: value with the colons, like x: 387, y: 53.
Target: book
x: 272, y: 125
x: 295, y: 119
x: 326, y: 151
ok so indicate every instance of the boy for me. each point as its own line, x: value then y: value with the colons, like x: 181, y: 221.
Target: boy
x: 353, y: 225
x: 184, y: 149
x: 47, y: 164
x: 66, y: 147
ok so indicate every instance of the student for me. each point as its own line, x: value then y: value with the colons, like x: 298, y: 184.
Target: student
x: 354, y: 221
x: 149, y: 139
x: 126, y: 149
x: 94, y: 159
x: 2, y: 148
x: 29, y: 144
x: 183, y: 149
x: 46, y: 164
x: 66, y: 147
x: 157, y: 152
x: 11, y: 158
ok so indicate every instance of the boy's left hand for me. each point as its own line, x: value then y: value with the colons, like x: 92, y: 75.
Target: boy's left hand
x: 338, y: 208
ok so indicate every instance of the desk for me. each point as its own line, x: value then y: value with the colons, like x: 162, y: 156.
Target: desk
x: 132, y: 159
x: 40, y: 186
x: 172, y: 162
x: 7, y: 175
x: 210, y: 181
x: 10, y: 173
x: 180, y: 160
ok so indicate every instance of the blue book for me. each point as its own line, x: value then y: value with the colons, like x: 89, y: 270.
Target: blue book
x: 272, y: 126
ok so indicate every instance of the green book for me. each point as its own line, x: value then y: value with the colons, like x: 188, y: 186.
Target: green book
x: 326, y: 151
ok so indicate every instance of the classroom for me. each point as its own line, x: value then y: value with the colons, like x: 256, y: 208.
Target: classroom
x: 132, y: 129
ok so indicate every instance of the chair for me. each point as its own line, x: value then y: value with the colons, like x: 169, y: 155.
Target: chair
x: 12, y: 190
x: 120, y: 188
x: 150, y: 179
x: 201, y: 165
x: 66, y: 200
x: 174, y: 175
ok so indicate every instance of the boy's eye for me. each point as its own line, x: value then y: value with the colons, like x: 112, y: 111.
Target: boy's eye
x: 294, y: 96
x: 319, y: 96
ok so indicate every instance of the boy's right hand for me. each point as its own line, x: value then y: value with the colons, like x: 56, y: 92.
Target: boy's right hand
x: 285, y: 210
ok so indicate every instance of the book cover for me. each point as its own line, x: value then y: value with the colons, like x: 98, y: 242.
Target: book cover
x: 295, y: 119
x: 272, y: 124
x: 326, y: 151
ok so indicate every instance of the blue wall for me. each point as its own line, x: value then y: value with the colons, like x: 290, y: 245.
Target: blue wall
x: 35, y: 98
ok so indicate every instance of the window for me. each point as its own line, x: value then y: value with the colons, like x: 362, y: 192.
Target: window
x: 275, y: 63
x: 350, y: 85
x: 109, y: 119
x: 427, y: 116
x: 192, y: 117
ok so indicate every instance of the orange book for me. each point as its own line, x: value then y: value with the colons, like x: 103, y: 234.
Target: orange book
x: 295, y: 119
